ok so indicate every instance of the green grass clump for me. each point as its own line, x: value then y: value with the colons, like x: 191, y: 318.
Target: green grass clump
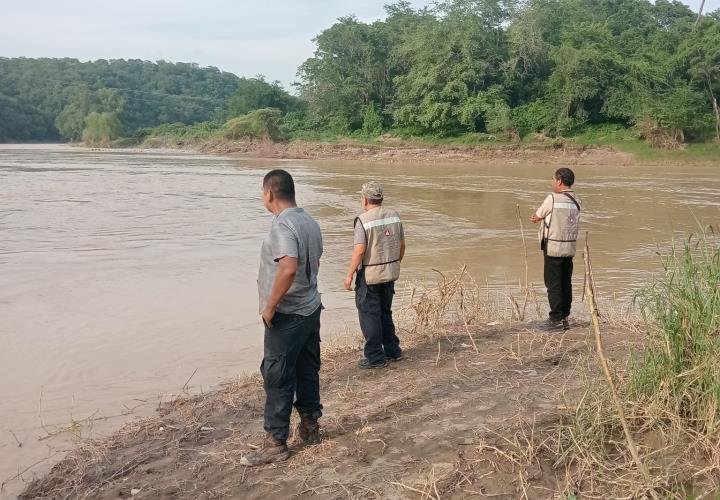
x: 180, y: 132
x: 258, y: 124
x: 678, y: 375
x: 628, y: 140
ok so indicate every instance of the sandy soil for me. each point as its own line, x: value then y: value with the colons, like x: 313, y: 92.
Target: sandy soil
x: 445, y: 422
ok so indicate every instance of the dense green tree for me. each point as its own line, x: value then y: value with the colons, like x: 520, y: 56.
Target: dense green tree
x: 372, y: 121
x: 699, y: 57
x: 71, y: 122
x: 586, y: 69
x: 256, y: 93
x: 348, y: 73
x: 453, y: 59
x: 101, y: 128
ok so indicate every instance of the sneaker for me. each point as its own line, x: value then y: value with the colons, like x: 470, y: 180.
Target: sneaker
x: 367, y: 365
x: 308, y: 430
x: 395, y: 358
x: 566, y: 324
x: 550, y: 325
x: 272, y: 451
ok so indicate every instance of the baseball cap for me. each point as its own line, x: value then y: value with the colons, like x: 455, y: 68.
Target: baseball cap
x: 372, y: 190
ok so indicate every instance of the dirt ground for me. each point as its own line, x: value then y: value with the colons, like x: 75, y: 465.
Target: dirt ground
x: 403, y: 151
x: 445, y: 422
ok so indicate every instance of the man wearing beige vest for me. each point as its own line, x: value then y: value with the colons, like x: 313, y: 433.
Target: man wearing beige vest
x: 560, y: 214
x: 375, y: 263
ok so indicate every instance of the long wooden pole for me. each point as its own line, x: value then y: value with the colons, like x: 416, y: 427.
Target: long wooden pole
x: 606, y: 369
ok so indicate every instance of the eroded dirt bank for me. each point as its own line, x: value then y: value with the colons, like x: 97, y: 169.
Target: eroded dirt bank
x: 402, y: 151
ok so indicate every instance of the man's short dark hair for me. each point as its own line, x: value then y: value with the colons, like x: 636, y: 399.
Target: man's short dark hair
x: 565, y: 175
x: 281, y: 183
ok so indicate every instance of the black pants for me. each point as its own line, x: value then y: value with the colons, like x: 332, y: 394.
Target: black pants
x: 291, y: 370
x: 558, y: 281
x: 374, y: 305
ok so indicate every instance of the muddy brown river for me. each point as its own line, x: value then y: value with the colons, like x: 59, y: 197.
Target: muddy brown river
x: 127, y: 278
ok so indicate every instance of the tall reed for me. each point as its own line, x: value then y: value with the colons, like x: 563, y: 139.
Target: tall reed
x: 678, y: 373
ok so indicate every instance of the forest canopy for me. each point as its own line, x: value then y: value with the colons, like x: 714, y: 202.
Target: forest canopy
x: 50, y: 99
x: 503, y: 67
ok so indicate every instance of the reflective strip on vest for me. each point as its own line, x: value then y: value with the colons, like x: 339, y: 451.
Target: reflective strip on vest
x: 565, y: 205
x: 381, y: 222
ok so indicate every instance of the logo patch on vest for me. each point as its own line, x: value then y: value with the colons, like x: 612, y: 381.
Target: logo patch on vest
x: 572, y: 220
x: 387, y: 233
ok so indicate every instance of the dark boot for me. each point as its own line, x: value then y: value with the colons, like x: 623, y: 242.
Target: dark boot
x: 550, y: 325
x: 365, y: 364
x: 272, y: 451
x: 309, y: 430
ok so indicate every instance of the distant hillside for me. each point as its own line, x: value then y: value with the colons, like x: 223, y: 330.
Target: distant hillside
x: 48, y: 99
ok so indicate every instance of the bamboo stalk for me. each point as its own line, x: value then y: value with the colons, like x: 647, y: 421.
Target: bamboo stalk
x: 589, y: 275
x: 462, y: 312
x: 527, y: 280
x: 522, y: 233
x: 608, y: 376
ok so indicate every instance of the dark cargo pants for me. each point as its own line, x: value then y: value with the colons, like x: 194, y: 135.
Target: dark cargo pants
x: 374, y: 305
x: 291, y: 370
x: 558, y: 281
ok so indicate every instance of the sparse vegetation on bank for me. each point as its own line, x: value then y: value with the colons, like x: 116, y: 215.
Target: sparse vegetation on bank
x: 669, y: 391
x: 607, y: 145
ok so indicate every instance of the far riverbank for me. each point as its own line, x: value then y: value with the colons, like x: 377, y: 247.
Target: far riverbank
x: 390, y: 149
x: 405, y: 151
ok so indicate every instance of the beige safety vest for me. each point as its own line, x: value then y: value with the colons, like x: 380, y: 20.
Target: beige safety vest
x: 561, y: 232
x: 381, y: 261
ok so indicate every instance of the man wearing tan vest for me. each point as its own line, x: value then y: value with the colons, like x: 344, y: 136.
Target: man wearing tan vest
x: 375, y: 263
x: 560, y: 214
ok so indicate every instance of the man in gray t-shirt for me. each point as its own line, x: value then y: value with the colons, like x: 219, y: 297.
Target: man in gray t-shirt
x: 293, y: 234
x: 290, y: 308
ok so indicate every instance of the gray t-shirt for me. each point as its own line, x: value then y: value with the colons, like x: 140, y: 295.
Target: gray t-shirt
x: 293, y: 234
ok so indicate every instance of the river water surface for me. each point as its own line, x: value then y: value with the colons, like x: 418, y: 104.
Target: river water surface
x: 124, y: 274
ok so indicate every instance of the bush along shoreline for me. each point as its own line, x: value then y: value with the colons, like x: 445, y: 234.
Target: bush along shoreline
x: 262, y: 134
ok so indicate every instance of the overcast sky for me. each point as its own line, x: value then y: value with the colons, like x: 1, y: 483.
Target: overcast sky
x: 245, y: 37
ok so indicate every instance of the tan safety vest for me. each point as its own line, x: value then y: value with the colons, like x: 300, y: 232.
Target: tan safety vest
x: 381, y: 261
x: 561, y: 232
